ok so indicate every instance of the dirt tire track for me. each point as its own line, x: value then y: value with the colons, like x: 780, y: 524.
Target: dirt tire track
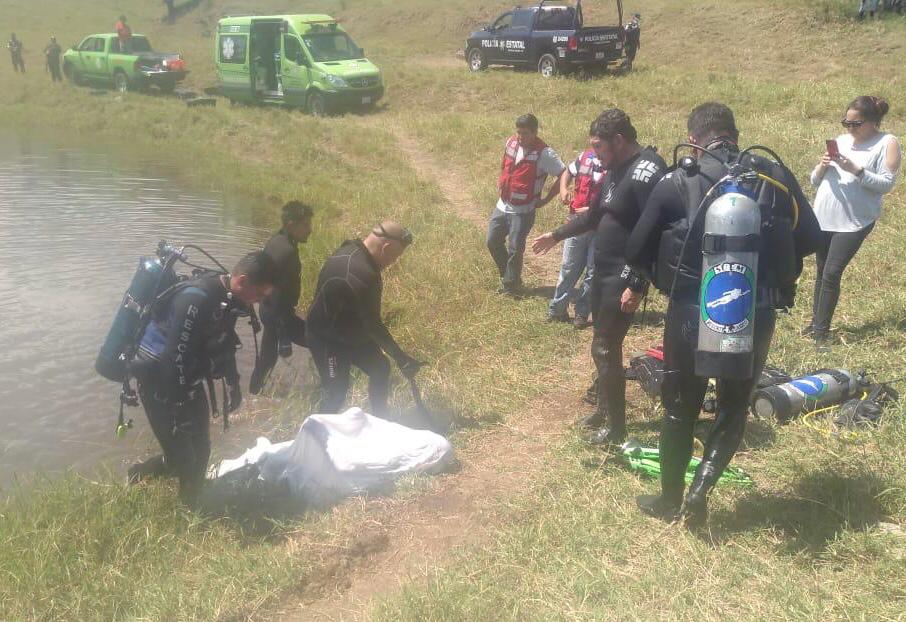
x: 418, y: 535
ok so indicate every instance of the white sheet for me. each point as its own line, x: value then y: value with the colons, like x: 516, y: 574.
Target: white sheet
x: 334, y: 456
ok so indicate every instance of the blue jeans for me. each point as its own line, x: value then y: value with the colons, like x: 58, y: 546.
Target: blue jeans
x: 507, y: 234
x: 578, y: 255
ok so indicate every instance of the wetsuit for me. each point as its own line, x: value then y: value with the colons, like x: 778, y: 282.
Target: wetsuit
x: 282, y: 327
x: 345, y: 328
x: 675, y: 202
x: 192, y: 338
x: 623, y: 195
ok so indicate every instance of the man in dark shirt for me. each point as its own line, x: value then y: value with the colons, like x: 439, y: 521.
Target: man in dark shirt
x: 282, y: 327
x: 633, y: 39
x: 632, y: 172
x: 191, y: 339
x: 52, y: 54
x: 15, y: 52
x: 661, y: 245
x: 344, y: 326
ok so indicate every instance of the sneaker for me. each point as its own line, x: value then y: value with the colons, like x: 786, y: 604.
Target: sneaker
x: 658, y: 507
x: 558, y: 317
x: 581, y: 322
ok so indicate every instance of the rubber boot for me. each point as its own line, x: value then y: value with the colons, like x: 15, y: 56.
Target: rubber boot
x: 695, y: 506
x: 675, y: 451
x: 155, y: 466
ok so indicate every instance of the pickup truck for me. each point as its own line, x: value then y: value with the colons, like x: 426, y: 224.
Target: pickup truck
x: 100, y: 59
x: 550, y: 36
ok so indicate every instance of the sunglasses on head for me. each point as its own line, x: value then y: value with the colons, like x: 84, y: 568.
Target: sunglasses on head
x: 847, y: 123
x: 406, y: 238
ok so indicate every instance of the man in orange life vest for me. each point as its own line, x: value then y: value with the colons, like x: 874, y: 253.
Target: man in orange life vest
x: 527, y: 162
x: 578, y: 251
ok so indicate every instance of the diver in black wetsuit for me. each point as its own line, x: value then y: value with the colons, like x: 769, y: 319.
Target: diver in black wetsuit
x: 282, y: 327
x: 657, y: 245
x: 632, y: 172
x: 190, y: 339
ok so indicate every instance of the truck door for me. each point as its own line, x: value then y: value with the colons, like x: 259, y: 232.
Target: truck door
x: 296, y: 70
x: 232, y: 56
x: 515, y: 40
x: 94, y: 58
x: 491, y: 43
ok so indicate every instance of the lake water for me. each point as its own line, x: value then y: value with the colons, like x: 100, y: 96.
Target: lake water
x: 73, y: 223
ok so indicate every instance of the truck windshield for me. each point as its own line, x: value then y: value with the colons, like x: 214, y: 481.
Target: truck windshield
x: 328, y: 46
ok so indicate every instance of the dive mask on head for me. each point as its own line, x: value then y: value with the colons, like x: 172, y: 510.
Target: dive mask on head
x: 406, y: 238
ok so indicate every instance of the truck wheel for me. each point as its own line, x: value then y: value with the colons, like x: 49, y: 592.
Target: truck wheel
x: 547, y: 66
x: 317, y: 105
x: 121, y: 81
x: 476, y: 60
x: 167, y: 86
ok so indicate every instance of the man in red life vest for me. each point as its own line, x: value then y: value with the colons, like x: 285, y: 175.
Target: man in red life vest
x: 527, y: 161
x: 578, y: 251
x: 123, y: 33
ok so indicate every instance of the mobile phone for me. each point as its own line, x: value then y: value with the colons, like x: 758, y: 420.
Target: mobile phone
x: 832, y: 149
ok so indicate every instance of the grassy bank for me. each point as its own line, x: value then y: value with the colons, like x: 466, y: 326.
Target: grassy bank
x: 804, y: 543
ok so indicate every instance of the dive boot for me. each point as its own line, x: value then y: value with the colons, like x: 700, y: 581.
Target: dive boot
x: 695, y: 510
x: 152, y: 467
x: 659, y: 507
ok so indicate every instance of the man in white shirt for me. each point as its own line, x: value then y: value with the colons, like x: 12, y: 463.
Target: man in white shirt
x: 527, y: 162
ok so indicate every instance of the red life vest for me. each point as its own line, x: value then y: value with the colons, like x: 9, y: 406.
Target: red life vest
x: 589, y: 180
x: 517, y: 181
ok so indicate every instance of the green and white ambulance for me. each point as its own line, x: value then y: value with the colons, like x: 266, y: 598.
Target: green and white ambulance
x: 295, y: 60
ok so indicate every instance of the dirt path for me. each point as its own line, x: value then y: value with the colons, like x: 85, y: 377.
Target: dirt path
x: 407, y: 540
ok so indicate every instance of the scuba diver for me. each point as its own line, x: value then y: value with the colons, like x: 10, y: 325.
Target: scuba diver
x: 344, y: 325
x: 189, y: 340
x: 632, y: 172
x: 282, y: 327
x: 749, y: 275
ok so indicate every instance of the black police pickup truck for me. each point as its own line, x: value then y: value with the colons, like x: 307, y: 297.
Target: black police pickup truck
x: 550, y: 36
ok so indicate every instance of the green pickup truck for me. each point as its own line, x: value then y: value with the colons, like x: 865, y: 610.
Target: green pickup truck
x: 101, y: 59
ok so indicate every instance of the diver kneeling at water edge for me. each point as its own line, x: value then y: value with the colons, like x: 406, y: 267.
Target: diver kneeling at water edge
x: 724, y: 236
x: 191, y: 338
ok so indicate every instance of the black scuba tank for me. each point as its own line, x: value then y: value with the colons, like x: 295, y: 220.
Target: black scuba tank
x: 152, y: 277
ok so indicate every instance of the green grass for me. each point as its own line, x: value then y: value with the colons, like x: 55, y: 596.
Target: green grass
x: 802, y: 545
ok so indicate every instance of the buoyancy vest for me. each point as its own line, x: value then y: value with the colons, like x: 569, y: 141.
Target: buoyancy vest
x: 589, y: 179
x: 518, y: 181
x: 778, y: 266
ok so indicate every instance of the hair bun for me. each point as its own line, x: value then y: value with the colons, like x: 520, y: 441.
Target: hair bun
x: 881, y: 105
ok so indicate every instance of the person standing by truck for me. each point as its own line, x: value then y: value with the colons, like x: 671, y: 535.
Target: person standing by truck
x: 282, y: 327
x: 123, y: 34
x: 633, y: 39
x: 15, y: 51
x: 527, y: 162
x: 52, y: 54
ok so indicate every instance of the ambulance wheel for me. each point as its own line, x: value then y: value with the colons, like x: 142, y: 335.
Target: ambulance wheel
x: 477, y: 61
x: 317, y: 105
x: 548, y: 66
x: 121, y: 81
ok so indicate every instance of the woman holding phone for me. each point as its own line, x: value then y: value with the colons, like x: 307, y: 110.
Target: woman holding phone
x: 857, y: 169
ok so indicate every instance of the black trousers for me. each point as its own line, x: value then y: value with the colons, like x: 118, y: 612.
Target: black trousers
x: 55, y: 74
x: 18, y: 63
x: 267, y: 356
x: 837, y: 249
x: 610, y: 328
x: 335, y: 361
x: 682, y: 396
x: 184, y: 435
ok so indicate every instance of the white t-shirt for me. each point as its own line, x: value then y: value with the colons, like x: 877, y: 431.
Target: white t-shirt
x: 549, y: 163
x: 845, y: 202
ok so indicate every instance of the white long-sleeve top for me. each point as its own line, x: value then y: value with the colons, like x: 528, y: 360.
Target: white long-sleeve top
x: 845, y: 202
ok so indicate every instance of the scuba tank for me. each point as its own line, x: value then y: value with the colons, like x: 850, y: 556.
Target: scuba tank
x: 826, y: 387
x: 728, y: 288
x: 153, y: 275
